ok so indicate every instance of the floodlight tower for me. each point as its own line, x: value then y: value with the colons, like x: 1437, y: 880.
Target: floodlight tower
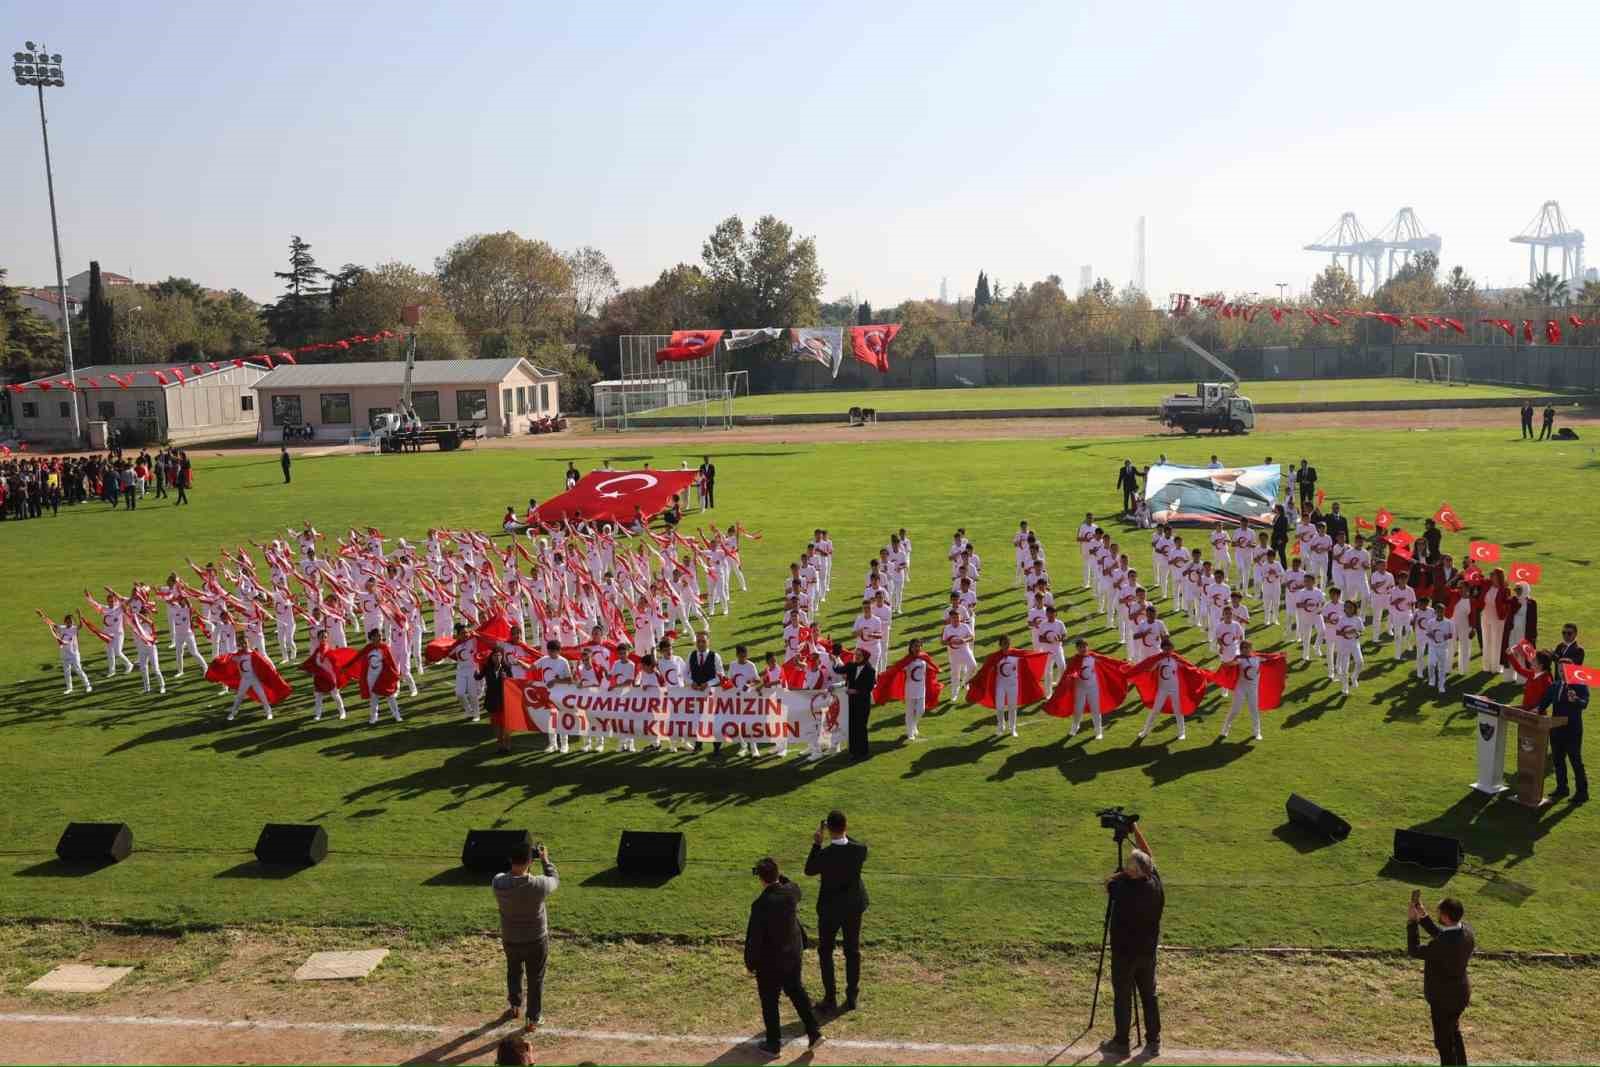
x: 40, y: 67
x: 1549, y: 230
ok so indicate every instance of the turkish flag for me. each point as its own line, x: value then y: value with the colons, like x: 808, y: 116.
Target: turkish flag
x: 1525, y: 572
x: 1029, y: 668
x: 1527, y: 330
x: 1454, y: 324
x: 327, y: 681
x: 870, y: 345
x: 1423, y: 322
x: 388, y: 680
x: 225, y: 672
x: 440, y: 648
x: 689, y: 344
x: 1111, y: 674
x: 1331, y: 319
x: 1578, y: 674
x: 286, y: 357
x: 515, y: 702
x: 159, y: 377
x: 178, y: 374
x: 1552, y: 332
x: 614, y: 494
x: 1446, y: 516
x: 1322, y: 494
x: 1483, y: 551
x: 93, y: 383
x: 1147, y: 675
x: 45, y: 387
x: 1388, y: 319
x: 1385, y: 518
x: 892, y: 682
x: 1363, y: 524
x: 1576, y: 323
x: 1273, y: 672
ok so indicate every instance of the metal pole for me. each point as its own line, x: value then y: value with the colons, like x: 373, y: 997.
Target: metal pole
x: 61, y: 280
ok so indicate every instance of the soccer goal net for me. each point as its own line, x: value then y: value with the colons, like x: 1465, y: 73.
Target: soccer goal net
x: 1443, y: 368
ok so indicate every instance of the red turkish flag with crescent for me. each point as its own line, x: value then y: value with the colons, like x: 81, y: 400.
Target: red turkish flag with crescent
x: 1111, y: 676
x: 1578, y: 674
x: 870, y: 345
x: 1385, y: 518
x: 1446, y: 516
x: 1363, y: 524
x: 891, y: 683
x: 1028, y: 667
x: 685, y: 345
x: 1273, y: 672
x: 614, y: 494
x: 1148, y: 674
x: 1483, y: 551
x: 1525, y: 572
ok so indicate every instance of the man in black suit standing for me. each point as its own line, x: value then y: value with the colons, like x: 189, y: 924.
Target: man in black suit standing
x: 1527, y: 420
x: 859, y: 680
x: 1445, y: 985
x: 705, y: 672
x: 283, y: 461
x: 1306, y: 479
x: 708, y: 482
x: 841, y: 902
x: 1280, y: 534
x: 1566, y: 742
x: 1128, y: 482
x: 773, y: 943
x: 1337, y: 524
x: 1568, y: 647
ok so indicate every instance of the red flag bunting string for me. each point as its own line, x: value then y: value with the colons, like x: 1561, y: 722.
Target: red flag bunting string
x: 167, y: 376
x: 1184, y: 303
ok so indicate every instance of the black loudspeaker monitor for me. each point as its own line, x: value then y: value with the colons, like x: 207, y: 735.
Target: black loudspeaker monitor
x: 283, y: 844
x: 1427, y: 850
x: 1303, y: 812
x: 650, y: 852
x: 95, y: 842
x: 490, y: 850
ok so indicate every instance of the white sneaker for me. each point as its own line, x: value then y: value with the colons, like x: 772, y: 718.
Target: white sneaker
x: 66, y: 692
x: 1098, y: 736
x: 317, y: 717
x: 1013, y: 731
x: 373, y: 720
x: 1141, y: 735
x: 341, y: 714
x: 1258, y: 737
x: 231, y: 715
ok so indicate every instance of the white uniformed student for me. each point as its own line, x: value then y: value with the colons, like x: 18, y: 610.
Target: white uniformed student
x: 468, y: 688
x: 1148, y: 635
x: 248, y: 682
x: 1348, y: 633
x: 1229, y: 635
x: 1244, y: 556
x: 146, y: 649
x: 1086, y: 540
x: 916, y: 689
x: 1402, y: 608
x: 621, y: 676
x: 868, y: 631
x: 1294, y: 583
x: 771, y: 681
x: 1019, y: 547
x: 319, y: 656
x: 1005, y: 690
x: 745, y: 679
x: 1308, y: 605
x: 1086, y: 691
x: 1269, y: 579
x: 674, y: 672
x: 552, y: 669
x: 1246, y: 690
x: 1441, y: 631
x: 1053, y: 639
x: 1167, y: 696
x: 957, y: 638
x: 66, y: 634
x: 1331, y: 616
x: 1380, y: 588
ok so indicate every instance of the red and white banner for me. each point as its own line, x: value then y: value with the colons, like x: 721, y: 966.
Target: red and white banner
x: 689, y: 344
x: 676, y: 713
x: 602, y: 495
x: 870, y: 344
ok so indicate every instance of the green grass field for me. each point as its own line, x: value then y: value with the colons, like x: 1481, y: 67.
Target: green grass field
x: 1089, y: 396
x: 976, y: 842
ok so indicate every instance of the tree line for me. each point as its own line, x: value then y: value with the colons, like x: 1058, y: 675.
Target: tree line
x: 497, y: 294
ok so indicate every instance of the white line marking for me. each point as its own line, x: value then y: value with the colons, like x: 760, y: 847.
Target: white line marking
x: 1042, y: 1052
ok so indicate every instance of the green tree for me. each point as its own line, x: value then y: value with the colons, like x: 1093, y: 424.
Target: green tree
x: 578, y: 374
x: 298, y: 315
x: 98, y: 314
x: 864, y: 314
x: 1413, y: 288
x: 1334, y: 288
x: 980, y: 294
x: 1460, y: 290
x: 594, y: 280
x: 766, y: 277
x: 175, y: 286
x: 30, y: 344
x: 1547, y: 290
x: 342, y: 282
x: 502, y: 281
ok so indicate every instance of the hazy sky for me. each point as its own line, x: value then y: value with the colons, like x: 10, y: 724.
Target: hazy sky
x: 912, y: 141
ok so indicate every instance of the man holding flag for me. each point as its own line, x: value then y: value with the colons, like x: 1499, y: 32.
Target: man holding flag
x: 1567, y: 696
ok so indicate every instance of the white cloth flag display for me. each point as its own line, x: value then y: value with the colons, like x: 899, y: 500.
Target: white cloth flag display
x: 746, y: 338
x: 825, y: 344
x: 684, y: 714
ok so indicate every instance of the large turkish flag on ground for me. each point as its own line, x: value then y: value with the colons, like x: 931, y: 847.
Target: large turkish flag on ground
x: 613, y: 495
x: 688, y: 344
x: 870, y: 344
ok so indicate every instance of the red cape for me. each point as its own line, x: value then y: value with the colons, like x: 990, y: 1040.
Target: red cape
x: 326, y: 682
x: 1113, y: 678
x: 892, y: 682
x: 1030, y: 677
x: 224, y: 671
x: 440, y: 648
x: 388, y: 676
x: 1192, y: 681
x: 1274, y: 672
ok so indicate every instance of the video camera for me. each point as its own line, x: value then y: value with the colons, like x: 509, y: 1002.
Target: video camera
x: 1118, y: 821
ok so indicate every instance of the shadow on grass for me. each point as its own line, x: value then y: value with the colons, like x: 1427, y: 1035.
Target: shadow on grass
x: 614, y: 878
x: 459, y: 876
x: 57, y: 868
x: 254, y: 869
x: 1494, y: 829
x: 1300, y: 838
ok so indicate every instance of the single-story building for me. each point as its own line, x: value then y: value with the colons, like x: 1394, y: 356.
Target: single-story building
x: 338, y: 400
x: 204, y: 405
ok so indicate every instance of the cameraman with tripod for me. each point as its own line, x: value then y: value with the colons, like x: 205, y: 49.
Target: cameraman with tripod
x: 1133, y: 925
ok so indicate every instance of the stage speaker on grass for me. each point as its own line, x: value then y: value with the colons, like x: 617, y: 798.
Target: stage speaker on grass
x: 1316, y: 818
x: 1427, y: 850
x: 283, y: 844
x: 95, y: 842
x: 647, y: 853
x: 490, y: 850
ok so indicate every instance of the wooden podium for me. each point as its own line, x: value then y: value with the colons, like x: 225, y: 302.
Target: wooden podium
x: 1533, y: 747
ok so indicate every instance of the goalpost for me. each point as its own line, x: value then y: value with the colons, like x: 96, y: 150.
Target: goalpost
x: 1441, y: 368
x: 698, y: 389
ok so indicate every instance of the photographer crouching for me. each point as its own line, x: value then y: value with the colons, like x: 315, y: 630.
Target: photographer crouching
x: 1137, y: 898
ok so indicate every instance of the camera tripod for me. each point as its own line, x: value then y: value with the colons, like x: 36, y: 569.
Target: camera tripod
x: 1105, y: 937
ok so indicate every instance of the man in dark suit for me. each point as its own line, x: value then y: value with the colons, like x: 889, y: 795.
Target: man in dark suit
x: 773, y: 944
x: 708, y: 479
x: 841, y: 902
x: 1568, y: 647
x: 1547, y: 427
x: 1434, y: 537
x: 1445, y: 985
x: 1527, y: 419
x: 1338, y: 525
x: 859, y: 680
x: 1566, y: 742
x: 1306, y: 479
x: 705, y: 672
x: 1280, y: 534
x: 1128, y: 482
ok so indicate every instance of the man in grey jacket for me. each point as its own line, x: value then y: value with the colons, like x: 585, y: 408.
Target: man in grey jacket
x: 525, y: 928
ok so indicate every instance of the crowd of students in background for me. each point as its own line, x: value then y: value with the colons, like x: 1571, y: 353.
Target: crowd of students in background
x: 32, y: 486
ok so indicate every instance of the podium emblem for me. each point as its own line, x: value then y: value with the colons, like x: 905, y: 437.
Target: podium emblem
x: 1486, y: 730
